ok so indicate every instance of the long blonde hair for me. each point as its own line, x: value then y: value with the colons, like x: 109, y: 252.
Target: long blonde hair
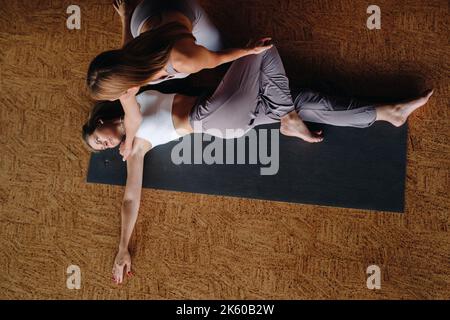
x: 113, y: 72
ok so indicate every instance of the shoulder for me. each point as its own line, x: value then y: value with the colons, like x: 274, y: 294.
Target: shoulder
x: 185, y: 45
x: 186, y: 55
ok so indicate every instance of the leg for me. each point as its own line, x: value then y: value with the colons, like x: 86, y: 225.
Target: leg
x: 204, y: 31
x: 234, y: 102
x: 275, y: 93
x: 254, y: 91
x: 258, y: 81
x: 277, y: 100
x: 397, y: 114
x: 315, y: 107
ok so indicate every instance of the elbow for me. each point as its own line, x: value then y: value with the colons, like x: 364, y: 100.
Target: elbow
x: 211, y: 61
x: 217, y: 61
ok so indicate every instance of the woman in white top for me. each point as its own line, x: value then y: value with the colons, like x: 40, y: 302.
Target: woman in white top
x: 172, y: 39
x: 254, y: 91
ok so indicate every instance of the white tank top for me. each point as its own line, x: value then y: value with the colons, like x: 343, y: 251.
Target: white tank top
x: 157, y: 125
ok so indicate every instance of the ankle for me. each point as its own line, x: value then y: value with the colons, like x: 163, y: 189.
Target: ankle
x: 384, y: 112
x: 291, y: 116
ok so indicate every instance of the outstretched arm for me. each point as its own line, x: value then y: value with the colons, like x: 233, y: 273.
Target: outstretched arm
x: 130, y: 207
x: 189, y: 57
x: 125, y: 11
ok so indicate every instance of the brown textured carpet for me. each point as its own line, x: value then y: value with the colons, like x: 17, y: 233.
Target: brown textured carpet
x: 198, y: 246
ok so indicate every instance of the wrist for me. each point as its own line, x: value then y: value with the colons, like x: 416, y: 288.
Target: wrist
x: 125, y: 17
x: 128, y: 143
x: 123, y: 247
x: 126, y: 98
x: 248, y: 51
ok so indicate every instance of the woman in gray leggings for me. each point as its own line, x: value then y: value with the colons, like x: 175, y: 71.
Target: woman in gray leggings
x: 255, y: 91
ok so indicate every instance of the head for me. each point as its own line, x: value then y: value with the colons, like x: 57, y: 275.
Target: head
x: 112, y: 73
x: 104, y: 128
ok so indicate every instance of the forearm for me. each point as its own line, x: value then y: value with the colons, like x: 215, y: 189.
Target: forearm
x: 132, y: 194
x: 190, y: 58
x: 131, y: 127
x: 130, y: 209
x: 133, y: 118
x: 229, y: 55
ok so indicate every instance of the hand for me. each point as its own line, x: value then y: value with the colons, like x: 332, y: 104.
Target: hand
x: 122, y: 7
x: 260, y: 46
x: 122, y: 263
x: 125, y: 149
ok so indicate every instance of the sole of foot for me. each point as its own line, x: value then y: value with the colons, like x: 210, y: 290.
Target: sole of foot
x: 299, y: 130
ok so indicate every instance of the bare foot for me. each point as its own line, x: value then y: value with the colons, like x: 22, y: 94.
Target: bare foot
x: 123, y: 8
x: 397, y: 114
x: 292, y: 125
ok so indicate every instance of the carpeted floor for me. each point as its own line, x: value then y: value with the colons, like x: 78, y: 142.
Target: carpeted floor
x: 208, y: 247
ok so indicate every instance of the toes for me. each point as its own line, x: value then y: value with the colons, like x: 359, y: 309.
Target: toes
x: 314, y: 139
x: 399, y: 121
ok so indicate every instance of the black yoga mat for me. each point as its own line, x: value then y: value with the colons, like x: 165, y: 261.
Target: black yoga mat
x: 352, y: 168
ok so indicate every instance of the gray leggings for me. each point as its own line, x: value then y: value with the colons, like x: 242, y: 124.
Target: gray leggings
x: 255, y: 91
